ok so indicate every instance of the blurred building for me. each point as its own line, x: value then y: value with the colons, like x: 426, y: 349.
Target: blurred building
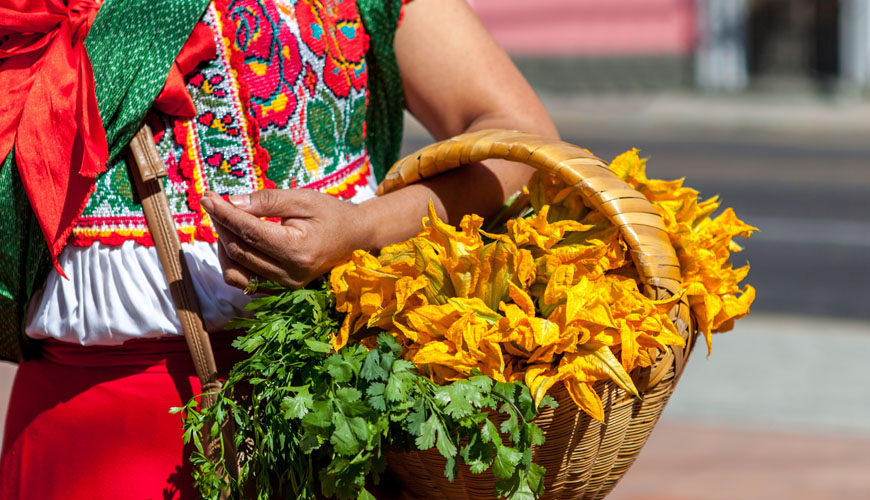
x: 711, y: 44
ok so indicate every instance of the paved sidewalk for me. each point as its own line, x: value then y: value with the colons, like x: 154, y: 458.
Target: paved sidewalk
x: 781, y: 374
x: 778, y: 411
x: 686, y: 461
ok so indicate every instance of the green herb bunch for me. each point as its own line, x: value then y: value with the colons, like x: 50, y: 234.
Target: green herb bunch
x: 306, y: 418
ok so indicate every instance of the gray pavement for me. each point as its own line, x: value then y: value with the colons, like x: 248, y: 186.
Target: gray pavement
x: 763, y: 118
x: 781, y: 373
x: 779, y: 410
x: 686, y: 461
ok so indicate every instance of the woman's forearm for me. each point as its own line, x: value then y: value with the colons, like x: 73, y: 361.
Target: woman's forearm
x: 454, y: 83
x: 480, y: 189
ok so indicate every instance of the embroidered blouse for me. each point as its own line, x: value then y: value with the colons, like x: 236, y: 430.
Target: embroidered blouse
x: 282, y: 105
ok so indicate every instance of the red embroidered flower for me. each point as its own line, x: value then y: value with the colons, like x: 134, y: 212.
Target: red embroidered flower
x: 272, y: 62
x: 333, y: 28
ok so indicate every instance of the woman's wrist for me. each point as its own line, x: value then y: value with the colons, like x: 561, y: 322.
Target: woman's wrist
x: 394, y: 217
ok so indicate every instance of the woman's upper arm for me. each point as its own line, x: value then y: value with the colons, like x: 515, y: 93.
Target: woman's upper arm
x: 455, y: 76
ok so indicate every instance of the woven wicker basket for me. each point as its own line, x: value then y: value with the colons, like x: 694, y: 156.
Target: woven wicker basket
x: 584, y: 458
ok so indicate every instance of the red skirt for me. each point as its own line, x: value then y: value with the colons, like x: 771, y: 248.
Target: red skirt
x: 91, y: 423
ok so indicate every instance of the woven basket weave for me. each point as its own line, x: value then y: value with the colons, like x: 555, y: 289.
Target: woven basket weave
x: 584, y: 459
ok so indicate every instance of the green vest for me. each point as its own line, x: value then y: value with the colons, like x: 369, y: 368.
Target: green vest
x: 131, y: 45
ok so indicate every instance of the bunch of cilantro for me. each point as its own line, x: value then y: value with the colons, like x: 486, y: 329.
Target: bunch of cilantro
x: 307, y: 419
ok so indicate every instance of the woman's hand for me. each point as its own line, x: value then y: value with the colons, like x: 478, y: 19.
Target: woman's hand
x: 316, y: 232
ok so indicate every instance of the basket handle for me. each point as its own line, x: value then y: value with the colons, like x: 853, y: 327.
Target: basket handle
x: 637, y: 220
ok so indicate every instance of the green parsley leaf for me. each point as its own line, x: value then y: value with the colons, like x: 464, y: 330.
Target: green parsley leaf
x: 506, y: 460
x: 297, y: 406
x: 372, y: 369
x: 456, y: 397
x: 365, y: 495
x: 397, y: 389
x: 375, y: 394
x: 445, y: 444
x: 416, y: 419
x: 428, y: 433
x: 522, y: 493
x: 343, y: 437
x: 340, y: 370
x: 318, y: 346
x: 535, y: 478
x: 348, y: 394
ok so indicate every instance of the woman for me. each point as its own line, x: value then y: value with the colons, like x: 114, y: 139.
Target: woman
x: 279, y: 105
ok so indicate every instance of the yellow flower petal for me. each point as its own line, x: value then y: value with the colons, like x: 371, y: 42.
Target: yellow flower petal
x: 539, y: 378
x: 586, y: 398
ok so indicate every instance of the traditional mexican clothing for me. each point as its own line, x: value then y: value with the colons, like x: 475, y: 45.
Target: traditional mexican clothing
x: 300, y: 93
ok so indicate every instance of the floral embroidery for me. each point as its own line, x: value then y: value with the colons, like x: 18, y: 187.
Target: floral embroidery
x: 272, y: 62
x: 334, y: 29
x: 283, y: 105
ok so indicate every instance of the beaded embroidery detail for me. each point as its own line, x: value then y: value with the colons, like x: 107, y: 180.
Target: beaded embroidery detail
x: 283, y: 105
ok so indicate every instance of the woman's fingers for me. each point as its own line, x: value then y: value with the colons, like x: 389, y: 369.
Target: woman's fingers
x: 234, y: 274
x: 247, y: 257
x: 283, y: 203
x: 268, y: 238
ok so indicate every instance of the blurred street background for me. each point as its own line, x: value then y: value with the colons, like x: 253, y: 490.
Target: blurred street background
x: 765, y: 103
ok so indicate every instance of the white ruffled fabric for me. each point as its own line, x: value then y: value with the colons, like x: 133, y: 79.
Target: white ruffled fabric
x: 118, y: 293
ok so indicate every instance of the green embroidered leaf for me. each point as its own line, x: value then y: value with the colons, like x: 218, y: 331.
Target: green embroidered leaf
x: 282, y: 157
x: 211, y: 102
x: 354, y: 136
x: 321, y: 127
x: 218, y: 142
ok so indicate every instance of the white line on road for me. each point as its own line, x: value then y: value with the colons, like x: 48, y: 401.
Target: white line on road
x: 827, y: 232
